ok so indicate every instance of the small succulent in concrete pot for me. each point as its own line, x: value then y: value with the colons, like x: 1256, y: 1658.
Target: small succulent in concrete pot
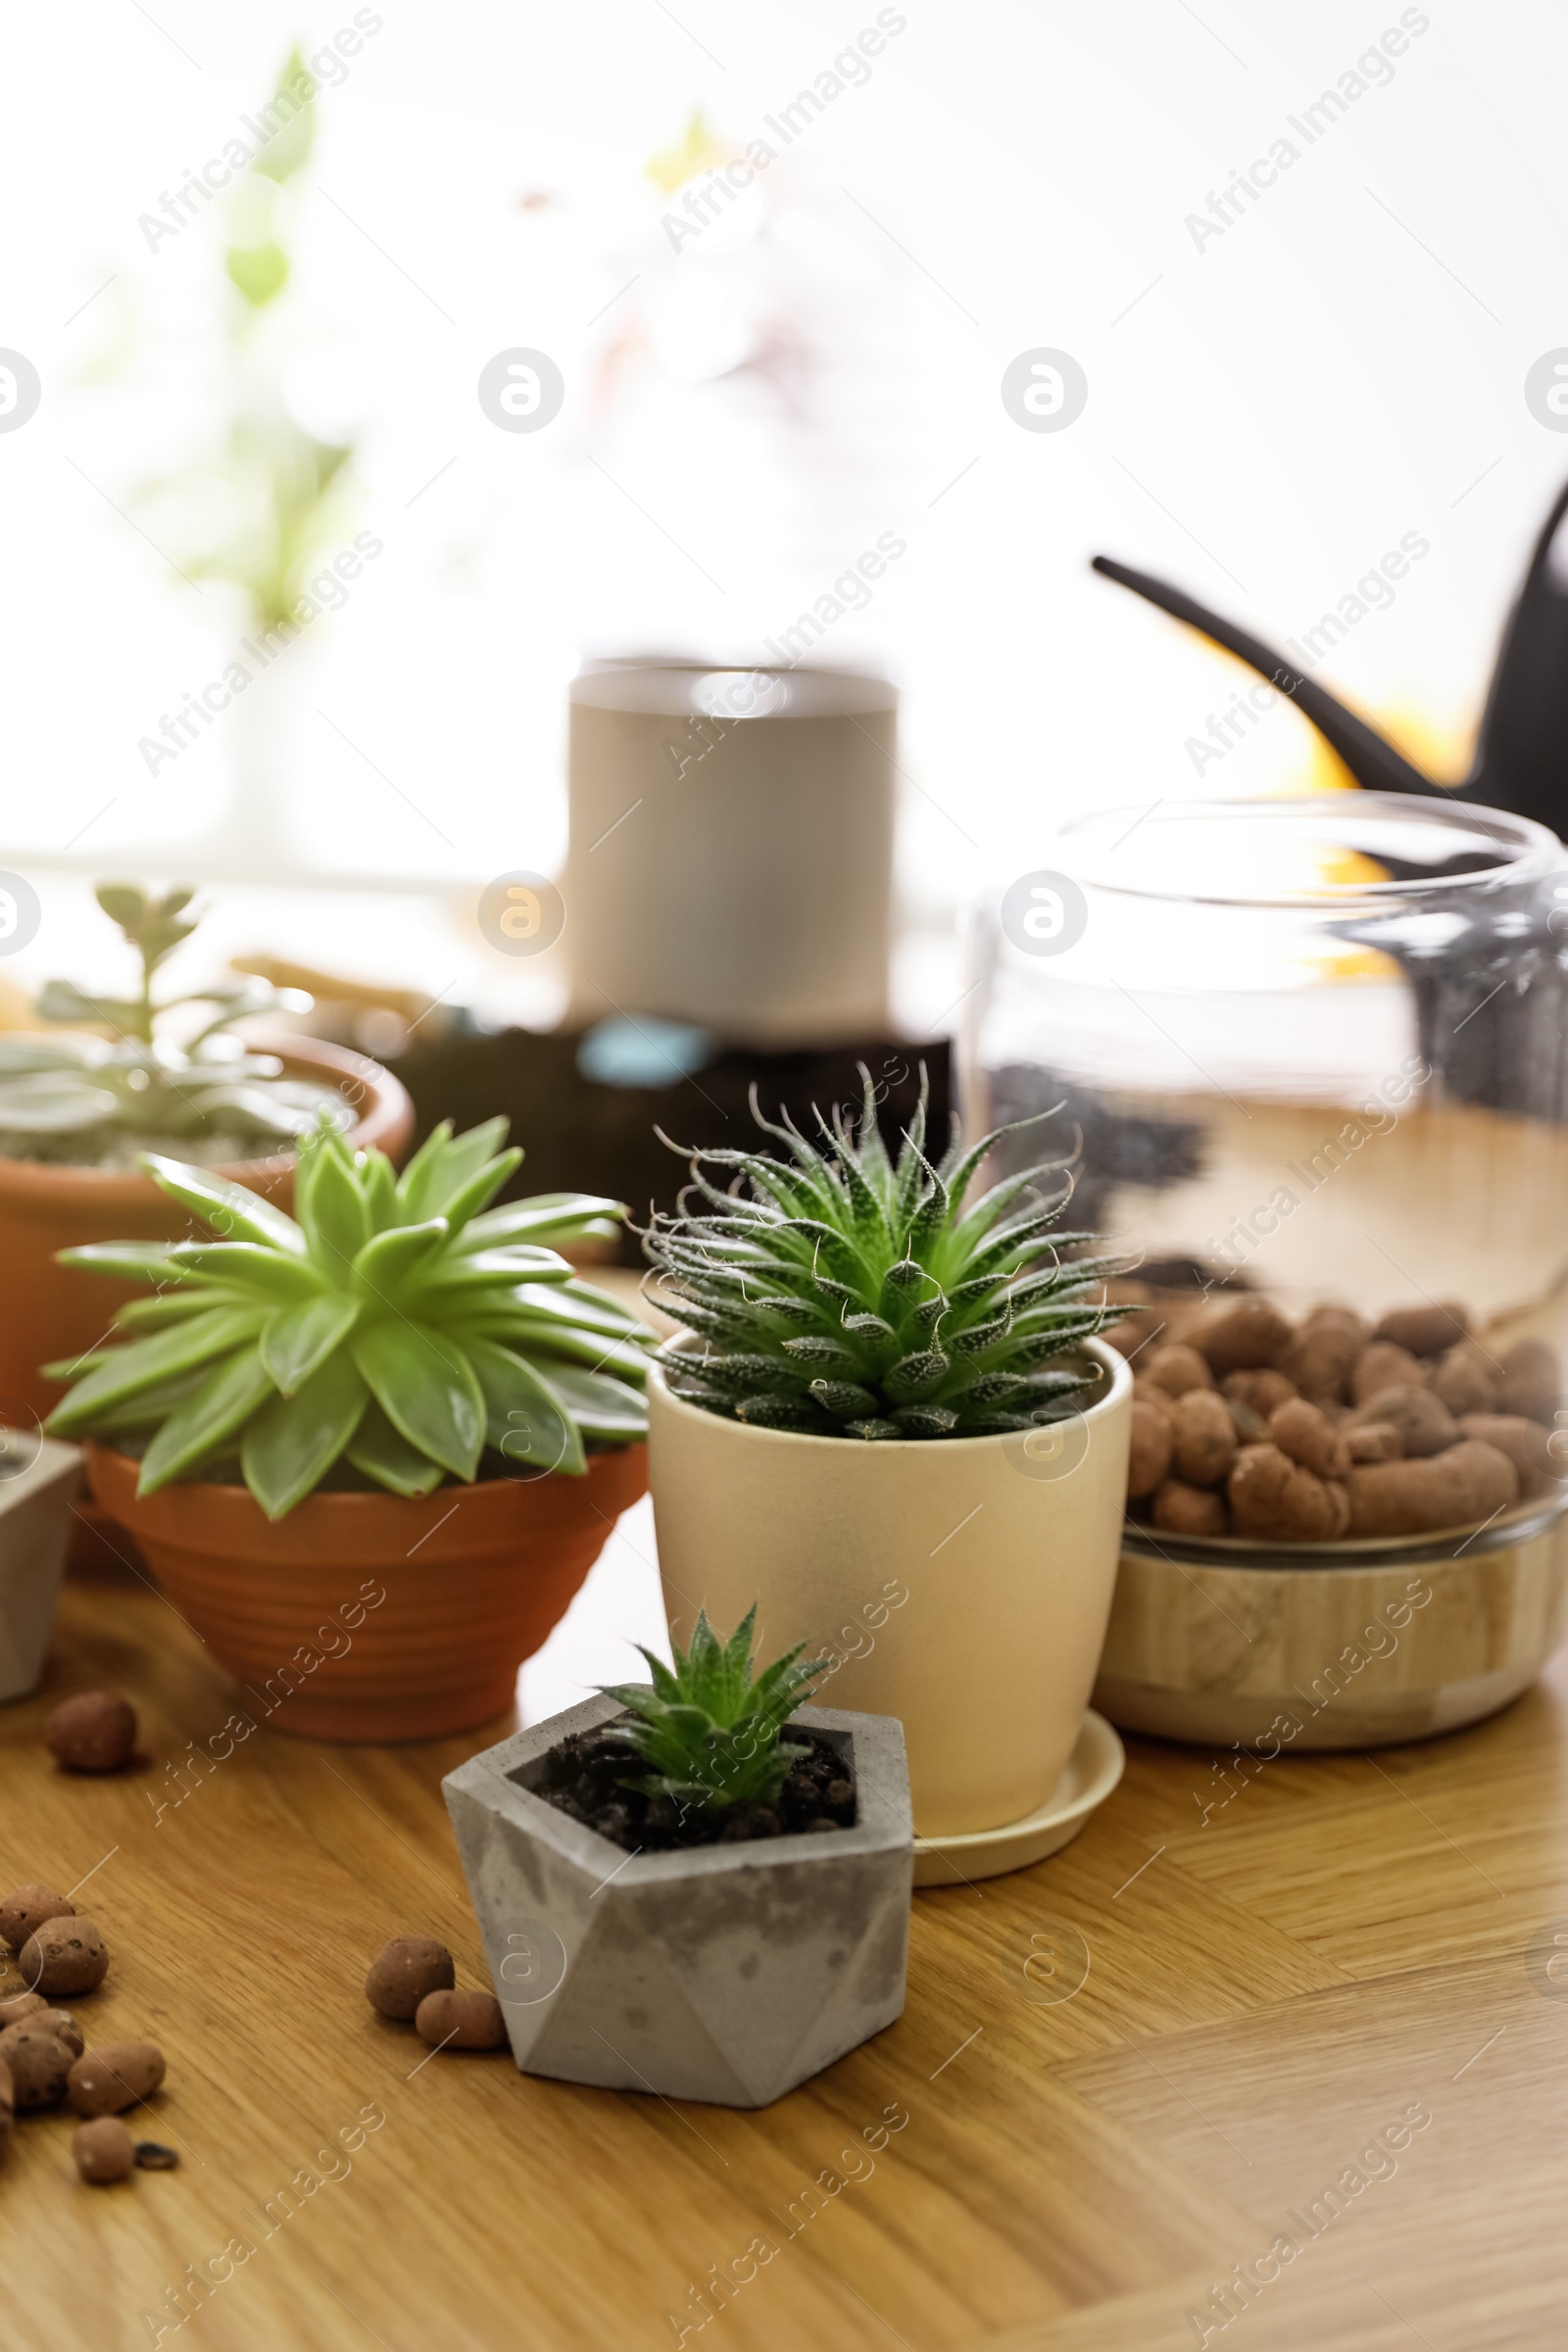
x: 697, y: 1887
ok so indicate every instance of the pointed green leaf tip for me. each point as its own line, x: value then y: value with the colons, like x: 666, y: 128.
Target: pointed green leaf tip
x: 838, y: 1292
x: 390, y: 1334
x: 709, y: 1734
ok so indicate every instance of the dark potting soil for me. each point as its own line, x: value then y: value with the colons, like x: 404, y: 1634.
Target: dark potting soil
x: 586, y: 1776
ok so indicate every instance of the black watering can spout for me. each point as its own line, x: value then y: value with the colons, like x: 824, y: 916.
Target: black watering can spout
x: 1371, y: 759
x: 1521, y: 761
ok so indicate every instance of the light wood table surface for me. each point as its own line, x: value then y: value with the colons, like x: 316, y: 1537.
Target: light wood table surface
x: 1344, y: 1941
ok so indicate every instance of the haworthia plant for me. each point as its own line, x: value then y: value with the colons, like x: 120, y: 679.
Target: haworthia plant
x: 400, y: 1324
x: 845, y: 1294
x: 709, y: 1734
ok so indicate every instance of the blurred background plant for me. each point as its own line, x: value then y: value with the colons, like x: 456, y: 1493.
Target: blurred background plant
x: 94, y: 1099
x: 257, y: 504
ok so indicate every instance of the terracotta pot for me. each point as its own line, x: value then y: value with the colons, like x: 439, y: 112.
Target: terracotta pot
x: 962, y: 1584
x: 470, y: 1581
x: 54, y: 1312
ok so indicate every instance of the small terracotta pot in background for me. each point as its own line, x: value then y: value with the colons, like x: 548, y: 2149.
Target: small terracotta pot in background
x: 474, y: 1578
x: 54, y: 1312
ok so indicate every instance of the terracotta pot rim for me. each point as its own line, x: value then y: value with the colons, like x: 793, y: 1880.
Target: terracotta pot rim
x: 949, y: 1449
x: 387, y: 1102
x: 347, y: 1503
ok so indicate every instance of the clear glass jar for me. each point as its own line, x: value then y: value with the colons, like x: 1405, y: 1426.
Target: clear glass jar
x: 1317, y: 1047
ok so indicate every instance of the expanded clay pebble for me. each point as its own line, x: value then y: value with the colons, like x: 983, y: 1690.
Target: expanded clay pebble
x: 461, y: 2021
x: 94, y: 1732
x: 1179, y: 1509
x: 39, y: 2063
x: 25, y: 1908
x: 64, y: 2027
x: 1242, y: 1338
x: 104, y: 2150
x: 154, y: 2157
x: 1148, y: 1458
x: 65, y: 1956
x: 18, y: 2006
x: 120, y: 2075
x: 1423, y: 1421
x: 1425, y: 1330
x: 1383, y: 1365
x: 1471, y: 1481
x: 404, y: 1971
x: 1176, y: 1368
x: 1203, y: 1437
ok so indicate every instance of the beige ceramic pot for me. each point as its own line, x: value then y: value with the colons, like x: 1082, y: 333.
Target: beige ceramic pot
x: 1230, y: 1643
x: 963, y: 1585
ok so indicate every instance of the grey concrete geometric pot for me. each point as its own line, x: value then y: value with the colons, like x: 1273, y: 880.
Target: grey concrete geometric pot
x: 39, y: 1479
x: 726, y: 1972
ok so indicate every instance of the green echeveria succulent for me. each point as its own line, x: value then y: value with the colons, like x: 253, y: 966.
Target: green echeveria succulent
x: 399, y: 1324
x: 852, y: 1295
x: 707, y: 1734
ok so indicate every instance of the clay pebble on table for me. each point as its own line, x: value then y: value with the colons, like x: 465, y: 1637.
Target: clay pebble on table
x: 26, y: 1909
x: 461, y: 2021
x: 65, y: 1956
x: 103, y: 2150
x: 39, y: 2065
x: 95, y: 1731
x: 119, y: 2074
x: 404, y: 1971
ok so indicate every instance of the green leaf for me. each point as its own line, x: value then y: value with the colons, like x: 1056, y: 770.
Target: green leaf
x: 223, y: 1402
x: 229, y: 1209
x: 63, y: 1001
x: 124, y: 904
x: 294, y: 1441
x: 130, y: 1261
x: 176, y: 1306
x: 581, y: 1305
x: 339, y: 1220
x: 260, y: 271
x: 379, y: 1450
x: 601, y: 1407
x: 266, y: 1114
x: 387, y: 1259
x: 535, y: 1337
x: 50, y: 1103
x: 20, y: 1052
x: 420, y: 1186
x: 480, y: 1189
x: 136, y: 1366
x: 525, y: 1420
x: 380, y: 1192
x: 463, y: 1159
x: 427, y: 1386
x: 288, y: 149
x: 150, y: 1405
x: 543, y: 1218
x: 453, y: 1277
x: 272, y: 1274
x: 298, y: 1340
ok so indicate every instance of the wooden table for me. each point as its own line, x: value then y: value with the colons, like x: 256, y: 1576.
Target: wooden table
x: 1345, y: 1943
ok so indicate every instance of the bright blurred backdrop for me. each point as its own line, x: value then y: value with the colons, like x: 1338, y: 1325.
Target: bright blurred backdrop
x: 748, y: 406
